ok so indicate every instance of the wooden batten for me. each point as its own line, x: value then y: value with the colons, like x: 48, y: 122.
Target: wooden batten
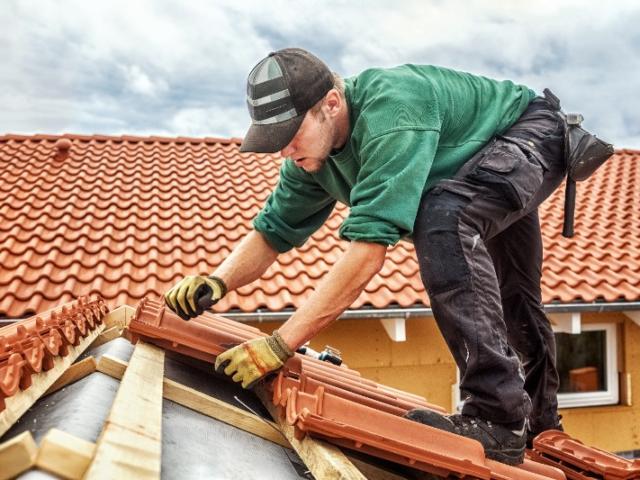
x: 17, y: 455
x: 74, y: 373
x: 64, y: 455
x: 202, y: 403
x: 130, y: 444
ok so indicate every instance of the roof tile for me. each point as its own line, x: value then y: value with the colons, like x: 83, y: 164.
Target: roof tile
x: 30, y: 346
x: 128, y: 216
x: 336, y: 403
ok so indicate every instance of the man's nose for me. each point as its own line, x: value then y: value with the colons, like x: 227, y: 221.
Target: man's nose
x: 288, y: 150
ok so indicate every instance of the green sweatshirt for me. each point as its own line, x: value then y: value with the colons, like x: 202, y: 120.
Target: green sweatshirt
x: 411, y: 126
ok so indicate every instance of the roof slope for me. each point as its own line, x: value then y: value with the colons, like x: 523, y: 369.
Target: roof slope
x: 129, y: 216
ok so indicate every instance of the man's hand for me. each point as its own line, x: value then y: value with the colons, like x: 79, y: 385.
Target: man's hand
x: 252, y: 360
x: 194, y: 294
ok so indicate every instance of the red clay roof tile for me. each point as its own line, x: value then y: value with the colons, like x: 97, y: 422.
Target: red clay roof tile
x: 336, y: 403
x: 30, y: 346
x: 579, y: 461
x: 128, y: 216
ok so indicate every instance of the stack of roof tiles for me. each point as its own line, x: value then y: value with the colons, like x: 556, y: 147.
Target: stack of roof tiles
x: 335, y: 403
x: 580, y: 462
x: 32, y: 345
x: 129, y: 216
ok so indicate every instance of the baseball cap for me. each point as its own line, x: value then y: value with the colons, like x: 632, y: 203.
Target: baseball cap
x: 281, y: 88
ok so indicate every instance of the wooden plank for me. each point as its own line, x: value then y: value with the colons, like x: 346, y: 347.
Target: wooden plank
x: 64, y: 455
x: 322, y: 459
x: 119, y: 317
x: 626, y: 397
x: 131, y: 441
x: 72, y: 374
x: 17, y: 455
x: 19, y: 403
x: 106, y: 336
x: 205, y: 404
x: 373, y: 472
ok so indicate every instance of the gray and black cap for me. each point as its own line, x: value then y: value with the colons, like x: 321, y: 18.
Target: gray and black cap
x: 280, y: 90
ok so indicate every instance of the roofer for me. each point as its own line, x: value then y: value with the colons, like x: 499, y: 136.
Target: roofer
x: 457, y: 163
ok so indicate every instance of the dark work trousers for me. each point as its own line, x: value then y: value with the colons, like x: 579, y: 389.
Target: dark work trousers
x: 477, y: 238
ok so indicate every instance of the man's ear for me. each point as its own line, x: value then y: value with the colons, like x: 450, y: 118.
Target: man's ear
x: 333, y: 102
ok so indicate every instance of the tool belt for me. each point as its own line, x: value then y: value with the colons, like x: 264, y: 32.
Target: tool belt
x: 584, y: 153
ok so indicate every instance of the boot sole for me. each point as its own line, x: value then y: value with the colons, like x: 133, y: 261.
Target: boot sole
x: 510, y: 457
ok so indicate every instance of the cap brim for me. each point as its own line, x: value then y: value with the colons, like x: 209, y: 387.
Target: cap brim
x: 270, y: 138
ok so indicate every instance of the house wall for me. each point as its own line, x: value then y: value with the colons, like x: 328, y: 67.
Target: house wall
x: 423, y: 365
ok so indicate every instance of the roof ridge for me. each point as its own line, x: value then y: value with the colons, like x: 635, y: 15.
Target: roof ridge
x: 120, y: 138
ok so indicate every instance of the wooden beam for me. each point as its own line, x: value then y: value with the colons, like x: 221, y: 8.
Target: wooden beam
x: 17, y: 455
x: 119, y: 317
x: 64, y: 455
x: 205, y: 404
x: 19, y: 403
x: 322, y: 459
x: 634, y: 316
x: 106, y: 336
x: 130, y: 444
x: 236, y: 417
x: 72, y: 374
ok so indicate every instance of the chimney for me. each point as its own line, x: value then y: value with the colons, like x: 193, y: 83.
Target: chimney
x: 62, y: 147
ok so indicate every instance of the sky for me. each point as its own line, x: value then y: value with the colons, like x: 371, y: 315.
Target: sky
x: 170, y: 68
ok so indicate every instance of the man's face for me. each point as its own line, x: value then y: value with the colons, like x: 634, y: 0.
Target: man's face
x: 312, y: 143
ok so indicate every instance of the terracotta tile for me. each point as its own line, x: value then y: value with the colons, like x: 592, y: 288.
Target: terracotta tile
x: 31, y: 345
x: 580, y: 461
x: 335, y: 403
x: 135, y: 214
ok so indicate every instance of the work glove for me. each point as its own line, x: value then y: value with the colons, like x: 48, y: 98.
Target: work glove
x: 252, y: 360
x: 194, y: 294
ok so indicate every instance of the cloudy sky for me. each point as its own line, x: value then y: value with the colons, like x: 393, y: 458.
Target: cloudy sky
x: 160, y: 67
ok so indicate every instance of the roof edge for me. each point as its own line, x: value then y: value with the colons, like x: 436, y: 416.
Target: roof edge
x: 416, y: 311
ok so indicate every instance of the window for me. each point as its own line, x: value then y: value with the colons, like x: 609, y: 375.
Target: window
x: 588, y: 366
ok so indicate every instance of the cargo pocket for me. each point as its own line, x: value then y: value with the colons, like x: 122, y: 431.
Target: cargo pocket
x: 507, y: 171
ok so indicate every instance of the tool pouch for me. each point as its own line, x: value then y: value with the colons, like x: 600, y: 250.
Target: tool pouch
x: 584, y: 153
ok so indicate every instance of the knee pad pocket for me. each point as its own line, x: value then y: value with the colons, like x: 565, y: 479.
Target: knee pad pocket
x: 437, y: 239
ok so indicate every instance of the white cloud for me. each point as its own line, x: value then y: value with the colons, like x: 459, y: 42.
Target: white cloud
x: 139, y: 82
x: 179, y: 67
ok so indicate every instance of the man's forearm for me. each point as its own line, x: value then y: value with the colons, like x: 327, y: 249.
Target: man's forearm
x: 339, y: 289
x: 247, y: 262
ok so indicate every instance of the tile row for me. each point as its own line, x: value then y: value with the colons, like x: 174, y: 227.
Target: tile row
x: 31, y: 345
x: 132, y: 208
x: 336, y: 403
x: 208, y: 335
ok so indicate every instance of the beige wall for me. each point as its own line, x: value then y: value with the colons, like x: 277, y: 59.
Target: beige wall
x: 423, y: 365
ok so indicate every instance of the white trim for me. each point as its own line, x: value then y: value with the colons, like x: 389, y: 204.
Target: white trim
x: 634, y: 316
x: 566, y: 322
x: 395, y: 328
x: 611, y: 395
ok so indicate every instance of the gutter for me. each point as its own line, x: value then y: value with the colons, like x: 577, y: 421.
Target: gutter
x: 378, y: 313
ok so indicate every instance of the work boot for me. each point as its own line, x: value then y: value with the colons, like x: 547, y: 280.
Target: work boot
x: 533, y: 432
x: 500, y: 443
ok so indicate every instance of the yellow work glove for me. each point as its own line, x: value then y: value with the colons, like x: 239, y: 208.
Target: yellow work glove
x: 252, y: 360
x: 194, y: 294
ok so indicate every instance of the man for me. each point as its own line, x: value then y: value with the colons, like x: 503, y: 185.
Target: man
x: 459, y: 164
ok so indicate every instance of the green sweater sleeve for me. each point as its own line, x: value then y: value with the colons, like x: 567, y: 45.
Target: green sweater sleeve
x: 386, y: 196
x: 295, y: 209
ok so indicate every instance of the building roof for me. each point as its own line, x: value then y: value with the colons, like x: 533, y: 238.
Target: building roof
x: 129, y: 216
x: 307, y: 397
